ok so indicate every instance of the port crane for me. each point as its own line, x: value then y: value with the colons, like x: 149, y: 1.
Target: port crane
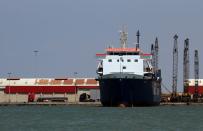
x: 196, y: 72
x: 186, y: 62
x: 152, y: 52
x: 155, y: 54
x: 175, y: 66
x: 156, y: 48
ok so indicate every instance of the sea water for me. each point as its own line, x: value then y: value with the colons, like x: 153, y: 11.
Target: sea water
x: 83, y: 118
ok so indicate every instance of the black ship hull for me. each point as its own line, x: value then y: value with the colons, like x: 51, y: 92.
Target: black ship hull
x: 129, y: 91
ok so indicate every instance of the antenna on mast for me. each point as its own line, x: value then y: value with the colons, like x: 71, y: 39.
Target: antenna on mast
x: 124, y: 37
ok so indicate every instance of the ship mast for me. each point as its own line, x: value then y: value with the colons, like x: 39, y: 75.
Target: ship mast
x: 123, y: 37
x: 138, y: 39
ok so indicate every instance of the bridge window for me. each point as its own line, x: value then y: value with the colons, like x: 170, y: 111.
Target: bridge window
x: 110, y: 60
x: 128, y: 60
x: 136, y: 60
x: 118, y: 60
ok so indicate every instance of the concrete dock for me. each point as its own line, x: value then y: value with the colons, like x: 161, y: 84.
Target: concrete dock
x: 50, y: 103
x: 91, y: 104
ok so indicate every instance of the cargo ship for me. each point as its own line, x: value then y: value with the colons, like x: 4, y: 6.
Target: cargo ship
x: 126, y: 76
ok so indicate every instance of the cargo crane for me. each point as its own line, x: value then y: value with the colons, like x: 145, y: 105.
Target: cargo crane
x: 196, y: 72
x: 156, y: 61
x: 156, y: 48
x: 156, y: 54
x: 175, y: 67
x: 186, y: 63
x: 152, y: 52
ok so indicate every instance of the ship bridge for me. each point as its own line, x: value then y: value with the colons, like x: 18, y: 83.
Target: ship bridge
x: 122, y: 51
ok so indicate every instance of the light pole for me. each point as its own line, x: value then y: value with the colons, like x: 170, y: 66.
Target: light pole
x: 75, y: 74
x: 9, y: 90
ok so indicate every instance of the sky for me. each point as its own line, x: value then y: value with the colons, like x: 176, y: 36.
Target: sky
x: 68, y: 34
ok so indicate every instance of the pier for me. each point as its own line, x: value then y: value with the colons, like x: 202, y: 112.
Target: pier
x: 88, y: 104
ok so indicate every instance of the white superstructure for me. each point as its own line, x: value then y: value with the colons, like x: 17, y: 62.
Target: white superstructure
x: 123, y: 64
x: 125, y: 60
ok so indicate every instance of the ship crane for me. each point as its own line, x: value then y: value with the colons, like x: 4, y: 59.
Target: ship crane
x: 196, y: 72
x: 175, y: 66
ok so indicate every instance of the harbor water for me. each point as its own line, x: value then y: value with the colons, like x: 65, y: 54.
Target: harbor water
x: 85, y: 118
